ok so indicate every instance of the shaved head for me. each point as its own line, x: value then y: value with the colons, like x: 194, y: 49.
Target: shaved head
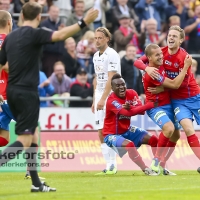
x: 4, y: 18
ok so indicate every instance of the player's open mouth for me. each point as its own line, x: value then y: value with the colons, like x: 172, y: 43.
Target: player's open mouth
x: 122, y: 92
x: 170, y: 42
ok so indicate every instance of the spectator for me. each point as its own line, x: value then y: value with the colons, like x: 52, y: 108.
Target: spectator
x: 147, y: 9
x: 126, y: 34
x: 69, y: 57
x: 102, y: 6
x: 80, y: 88
x: 77, y: 15
x: 178, y: 8
x: 45, y: 88
x: 65, y: 9
x: 174, y: 20
x: 122, y: 8
x: 60, y: 81
x: 52, y: 52
x: 130, y: 73
x: 85, y: 51
x: 151, y: 35
x: 5, y: 5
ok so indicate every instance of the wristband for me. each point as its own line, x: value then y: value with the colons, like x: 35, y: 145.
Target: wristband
x: 82, y: 23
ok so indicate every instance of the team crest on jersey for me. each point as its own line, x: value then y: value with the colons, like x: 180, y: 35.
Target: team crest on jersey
x: 132, y: 129
x: 160, y: 122
x: 99, y: 68
x: 116, y: 104
x: 168, y: 63
x: 176, y: 65
x: 160, y: 78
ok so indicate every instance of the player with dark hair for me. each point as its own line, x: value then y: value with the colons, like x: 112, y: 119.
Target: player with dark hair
x: 163, y: 116
x: 22, y: 92
x: 117, y: 132
x: 106, y: 63
x: 186, y: 99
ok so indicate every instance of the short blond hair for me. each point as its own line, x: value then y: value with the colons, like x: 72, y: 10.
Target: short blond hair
x: 174, y: 17
x: 58, y: 63
x: 148, y: 49
x: 179, y: 29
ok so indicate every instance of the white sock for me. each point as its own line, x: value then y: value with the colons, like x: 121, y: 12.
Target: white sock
x: 106, y: 155
x: 112, y: 154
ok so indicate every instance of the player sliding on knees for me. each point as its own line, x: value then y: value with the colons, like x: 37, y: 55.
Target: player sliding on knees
x: 117, y: 132
x: 163, y: 115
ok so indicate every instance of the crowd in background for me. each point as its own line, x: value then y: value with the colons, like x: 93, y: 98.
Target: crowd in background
x: 67, y: 68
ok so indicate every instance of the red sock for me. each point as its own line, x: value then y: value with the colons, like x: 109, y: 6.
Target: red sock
x: 194, y: 144
x: 153, y: 142
x: 162, y: 143
x: 134, y: 155
x: 167, y: 153
x: 3, y: 142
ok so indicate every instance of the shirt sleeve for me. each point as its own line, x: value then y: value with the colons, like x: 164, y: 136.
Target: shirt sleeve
x: 114, y: 106
x: 3, y: 56
x: 158, y: 81
x: 43, y: 36
x: 114, y: 62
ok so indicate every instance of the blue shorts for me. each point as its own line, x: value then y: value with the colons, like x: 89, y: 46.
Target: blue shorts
x: 5, y: 117
x: 134, y: 134
x: 187, y: 108
x: 163, y: 114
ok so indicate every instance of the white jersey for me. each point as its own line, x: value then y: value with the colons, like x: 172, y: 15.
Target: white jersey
x: 104, y: 63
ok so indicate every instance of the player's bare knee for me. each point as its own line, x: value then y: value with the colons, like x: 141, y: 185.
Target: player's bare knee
x: 5, y: 134
x: 187, y: 126
x: 168, y: 129
x: 175, y: 136
x: 26, y: 140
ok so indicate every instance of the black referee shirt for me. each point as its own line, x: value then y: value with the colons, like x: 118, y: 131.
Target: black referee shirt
x: 22, y: 49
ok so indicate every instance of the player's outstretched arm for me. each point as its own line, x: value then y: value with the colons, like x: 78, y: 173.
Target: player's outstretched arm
x: 151, y: 71
x: 176, y: 83
x: 66, y: 32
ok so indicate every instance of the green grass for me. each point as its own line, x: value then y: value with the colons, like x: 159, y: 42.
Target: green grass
x: 124, y: 185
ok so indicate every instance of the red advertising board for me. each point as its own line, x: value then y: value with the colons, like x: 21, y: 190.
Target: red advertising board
x: 80, y: 151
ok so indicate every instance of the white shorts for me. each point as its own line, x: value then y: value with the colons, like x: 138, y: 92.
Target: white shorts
x: 100, y: 114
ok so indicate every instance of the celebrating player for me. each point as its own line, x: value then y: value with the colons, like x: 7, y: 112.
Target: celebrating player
x: 186, y: 99
x: 106, y: 64
x: 163, y: 115
x: 22, y: 92
x: 117, y: 132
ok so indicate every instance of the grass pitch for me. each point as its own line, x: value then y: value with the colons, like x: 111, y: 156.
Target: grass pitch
x: 124, y: 185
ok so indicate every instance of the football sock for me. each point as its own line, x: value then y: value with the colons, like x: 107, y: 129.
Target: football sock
x: 162, y: 143
x: 112, y: 155
x: 13, y: 149
x: 105, y: 151
x: 134, y: 155
x: 194, y: 144
x: 153, y: 142
x: 28, y: 170
x: 167, y: 153
x: 3, y: 142
x: 31, y: 161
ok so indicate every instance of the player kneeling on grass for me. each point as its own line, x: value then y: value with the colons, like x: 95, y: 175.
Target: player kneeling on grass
x: 117, y: 132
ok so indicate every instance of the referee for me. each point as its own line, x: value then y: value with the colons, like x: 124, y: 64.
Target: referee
x: 22, y: 49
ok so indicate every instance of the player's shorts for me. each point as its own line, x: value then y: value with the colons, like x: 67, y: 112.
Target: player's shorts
x: 99, y: 114
x: 24, y: 105
x: 5, y: 116
x: 134, y: 134
x: 187, y: 108
x: 163, y: 114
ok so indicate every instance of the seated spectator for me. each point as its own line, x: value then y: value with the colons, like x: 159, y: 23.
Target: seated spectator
x: 69, y: 57
x: 178, y: 8
x: 52, y: 52
x: 102, y: 6
x: 85, y: 50
x: 122, y: 8
x: 77, y: 15
x: 147, y: 9
x: 126, y: 34
x: 80, y: 88
x: 130, y: 73
x: 60, y: 81
x: 45, y: 88
x: 152, y: 35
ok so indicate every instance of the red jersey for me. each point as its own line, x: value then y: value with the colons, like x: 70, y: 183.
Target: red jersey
x: 173, y: 65
x: 115, y: 123
x: 162, y: 98
x: 3, y: 74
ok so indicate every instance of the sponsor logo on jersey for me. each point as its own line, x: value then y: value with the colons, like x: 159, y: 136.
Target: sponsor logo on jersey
x: 176, y: 110
x: 1, y: 81
x: 112, y: 138
x: 132, y: 129
x: 116, y: 104
x: 158, y: 115
x: 176, y: 65
x: 168, y: 62
x: 124, y: 117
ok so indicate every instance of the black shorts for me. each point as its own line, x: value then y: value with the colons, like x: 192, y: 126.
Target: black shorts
x: 24, y: 105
